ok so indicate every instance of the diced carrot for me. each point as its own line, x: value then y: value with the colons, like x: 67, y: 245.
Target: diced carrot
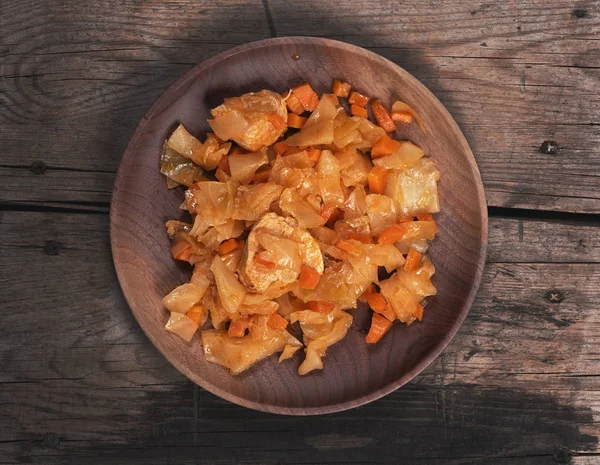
x: 277, y: 322
x: 280, y: 147
x: 368, y: 291
x: 425, y: 217
x: 309, y: 277
x: 295, y: 121
x: 418, y: 314
x: 377, y: 302
x: 341, y: 89
x: 364, y: 238
x: 391, y: 234
x: 195, y: 313
x: 181, y: 250
x: 379, y: 326
x: 307, y: 96
x: 377, y: 180
x: 412, y: 260
x: 382, y: 116
x: 327, y: 212
x: 321, y: 307
x: 224, y: 165
x: 228, y: 246
x: 267, y: 263
x: 384, y: 146
x: 238, y: 327
x: 359, y: 111
x: 261, y: 176
x: 350, y: 247
x: 277, y: 121
x: 314, y: 155
x: 358, y: 99
x: 402, y: 117
x: 293, y: 103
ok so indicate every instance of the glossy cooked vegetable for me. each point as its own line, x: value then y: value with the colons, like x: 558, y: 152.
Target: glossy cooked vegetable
x: 298, y: 208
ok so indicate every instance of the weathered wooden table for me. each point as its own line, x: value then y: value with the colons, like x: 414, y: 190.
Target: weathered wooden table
x: 79, y: 381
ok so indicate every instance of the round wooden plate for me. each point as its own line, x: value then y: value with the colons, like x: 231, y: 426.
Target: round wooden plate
x: 354, y: 373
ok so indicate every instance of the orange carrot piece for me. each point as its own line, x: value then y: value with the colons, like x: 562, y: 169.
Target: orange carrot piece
x: 418, y: 314
x: 295, y: 121
x: 402, y: 117
x: 327, y: 212
x: 277, y: 322
x: 341, y: 89
x: 382, y: 116
x: 391, y: 234
x: 321, y: 307
x: 307, y: 96
x: 412, y: 260
x: 277, y: 121
x: 364, y: 238
x: 261, y: 176
x: 377, y: 180
x: 228, y: 246
x: 314, y: 155
x: 379, y: 326
x: 377, y: 302
x: 350, y: 247
x: 292, y: 102
x: 195, y: 313
x: 280, y: 147
x: 425, y: 217
x: 238, y: 327
x: 358, y: 99
x: 359, y: 111
x: 384, y: 146
x: 224, y: 165
x: 368, y: 291
x: 309, y: 277
x: 267, y: 263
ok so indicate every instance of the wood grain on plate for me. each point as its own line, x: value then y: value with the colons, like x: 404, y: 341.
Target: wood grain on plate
x: 354, y: 373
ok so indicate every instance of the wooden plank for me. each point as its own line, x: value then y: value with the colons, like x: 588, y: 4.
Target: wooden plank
x: 518, y: 381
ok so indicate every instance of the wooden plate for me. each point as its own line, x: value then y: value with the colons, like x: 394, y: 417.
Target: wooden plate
x: 354, y: 373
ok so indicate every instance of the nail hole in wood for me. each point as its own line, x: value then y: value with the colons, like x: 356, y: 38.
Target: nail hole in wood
x: 52, y: 247
x: 554, y: 296
x: 549, y: 147
x: 38, y: 167
x: 561, y: 455
x: 50, y: 440
x: 295, y: 56
x: 579, y: 13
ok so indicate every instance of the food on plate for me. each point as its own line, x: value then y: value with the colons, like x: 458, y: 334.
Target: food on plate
x: 300, y: 206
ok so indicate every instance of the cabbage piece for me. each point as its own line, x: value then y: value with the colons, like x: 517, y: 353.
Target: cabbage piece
x: 381, y: 211
x: 370, y: 133
x: 326, y: 110
x: 407, y: 155
x: 320, y: 133
x: 212, y: 303
x: 258, y: 277
x: 402, y: 302
x: 402, y: 107
x: 324, y: 236
x: 183, y: 297
x: 266, y: 307
x: 252, y: 202
x: 181, y: 325
x: 288, y: 352
x: 206, y: 155
x: 356, y: 204
x: 178, y: 169
x: 359, y: 225
x: 330, y: 188
x: 231, y: 291
x: 174, y: 227
x: 232, y: 259
x: 418, y: 281
x: 316, y: 348
x: 295, y: 171
x: 284, y: 253
x: 230, y: 229
x: 415, y: 231
x: 292, y: 203
x: 214, y: 201
x: 354, y: 167
x: 414, y: 190
x: 385, y: 255
x: 240, y: 353
x: 345, y: 131
x: 420, y: 246
x: 244, y: 165
x: 252, y: 120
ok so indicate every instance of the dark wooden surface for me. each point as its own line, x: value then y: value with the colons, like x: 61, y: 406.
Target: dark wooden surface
x: 80, y: 383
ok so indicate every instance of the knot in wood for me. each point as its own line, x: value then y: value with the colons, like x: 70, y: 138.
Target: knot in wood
x: 579, y: 13
x: 38, y: 167
x: 52, y: 247
x: 549, y: 147
x: 554, y: 296
x: 561, y: 455
x: 50, y: 440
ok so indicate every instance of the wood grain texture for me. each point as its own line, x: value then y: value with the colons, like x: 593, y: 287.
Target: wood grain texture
x: 141, y: 204
x: 517, y: 384
x: 514, y: 74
